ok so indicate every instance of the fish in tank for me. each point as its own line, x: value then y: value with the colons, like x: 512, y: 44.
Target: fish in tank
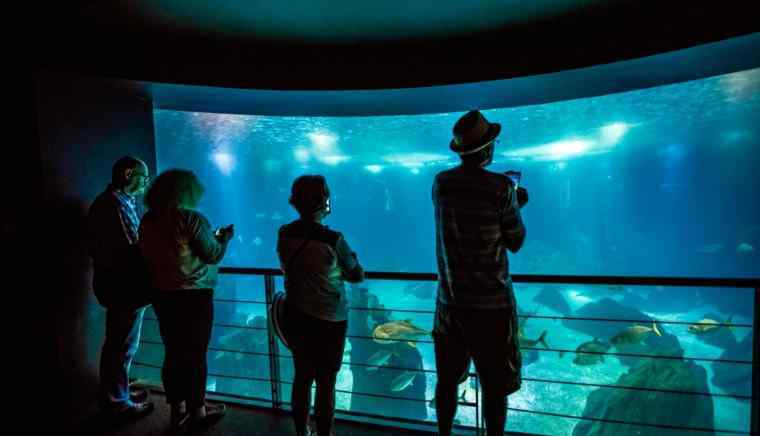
x: 652, y: 182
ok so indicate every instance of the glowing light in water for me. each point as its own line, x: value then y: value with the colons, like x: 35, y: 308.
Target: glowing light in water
x: 558, y: 150
x: 612, y: 133
x: 224, y: 161
x: 323, y: 142
x: 324, y: 149
x: 414, y: 160
x: 301, y: 154
x: 374, y: 169
x: 333, y: 159
x: 568, y: 148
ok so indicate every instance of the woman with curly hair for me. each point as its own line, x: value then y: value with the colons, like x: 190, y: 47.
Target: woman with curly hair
x: 182, y: 251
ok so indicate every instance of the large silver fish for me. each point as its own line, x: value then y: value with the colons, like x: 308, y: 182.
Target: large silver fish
x: 379, y: 358
x: 402, y: 381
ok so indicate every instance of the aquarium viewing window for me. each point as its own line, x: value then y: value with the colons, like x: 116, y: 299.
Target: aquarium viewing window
x: 659, y: 181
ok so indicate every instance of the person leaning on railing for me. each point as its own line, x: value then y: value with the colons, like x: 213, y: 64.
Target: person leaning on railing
x: 477, y: 218
x: 316, y: 262
x: 182, y: 251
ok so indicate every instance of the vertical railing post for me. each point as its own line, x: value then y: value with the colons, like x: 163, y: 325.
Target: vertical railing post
x: 477, y: 404
x: 755, y: 419
x: 274, y: 363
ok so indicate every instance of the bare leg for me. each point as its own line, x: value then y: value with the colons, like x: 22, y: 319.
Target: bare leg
x: 445, y: 406
x: 495, y: 412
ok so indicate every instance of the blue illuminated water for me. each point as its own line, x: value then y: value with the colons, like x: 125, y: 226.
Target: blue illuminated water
x: 653, y: 182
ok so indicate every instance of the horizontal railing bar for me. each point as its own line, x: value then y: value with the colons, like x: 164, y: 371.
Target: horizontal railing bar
x: 424, y: 341
x: 637, y: 281
x: 239, y: 377
x: 238, y: 326
x: 621, y: 422
x: 385, y: 309
x: 632, y: 321
x: 231, y: 326
x: 250, y: 271
x: 147, y: 365
x: 545, y: 279
x: 159, y: 388
x: 240, y: 397
x: 551, y: 317
x: 635, y: 388
x: 560, y: 317
x: 235, y: 377
x: 389, y: 397
x: 644, y: 356
x: 647, y: 356
x: 225, y: 350
x: 231, y: 300
x: 395, y: 368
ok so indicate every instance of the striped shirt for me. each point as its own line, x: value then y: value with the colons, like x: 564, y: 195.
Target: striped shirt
x: 113, y: 221
x: 477, y: 219
x: 130, y: 222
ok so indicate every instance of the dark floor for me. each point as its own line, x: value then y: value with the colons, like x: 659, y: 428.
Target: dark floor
x: 240, y: 420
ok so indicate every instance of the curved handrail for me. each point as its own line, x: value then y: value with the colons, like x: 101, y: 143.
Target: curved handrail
x: 543, y: 278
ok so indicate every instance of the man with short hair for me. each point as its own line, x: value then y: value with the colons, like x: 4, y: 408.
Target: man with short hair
x: 477, y: 218
x: 119, y: 283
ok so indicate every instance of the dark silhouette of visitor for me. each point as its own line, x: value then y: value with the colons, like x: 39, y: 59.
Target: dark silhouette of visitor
x: 182, y: 251
x: 120, y: 284
x: 316, y: 262
x: 477, y: 218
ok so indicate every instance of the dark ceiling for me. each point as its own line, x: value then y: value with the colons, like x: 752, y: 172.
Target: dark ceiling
x: 350, y: 44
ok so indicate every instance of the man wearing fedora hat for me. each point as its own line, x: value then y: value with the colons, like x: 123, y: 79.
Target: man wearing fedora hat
x: 477, y: 218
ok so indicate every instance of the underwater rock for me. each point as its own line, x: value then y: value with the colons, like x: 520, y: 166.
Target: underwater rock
x: 605, y: 308
x: 664, y: 299
x: 721, y: 337
x: 421, y: 290
x: 553, y: 299
x: 633, y: 299
x: 731, y: 301
x: 695, y: 411
x: 735, y: 378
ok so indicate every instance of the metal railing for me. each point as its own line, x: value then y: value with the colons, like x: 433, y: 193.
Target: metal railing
x: 274, y: 354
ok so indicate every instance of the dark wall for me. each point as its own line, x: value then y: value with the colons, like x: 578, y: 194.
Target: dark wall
x: 114, y: 40
x: 83, y: 127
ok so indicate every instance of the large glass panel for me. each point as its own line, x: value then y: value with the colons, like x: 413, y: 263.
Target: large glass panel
x: 654, y: 182
x: 658, y: 181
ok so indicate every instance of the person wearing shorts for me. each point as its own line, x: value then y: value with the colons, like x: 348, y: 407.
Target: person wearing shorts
x: 477, y: 219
